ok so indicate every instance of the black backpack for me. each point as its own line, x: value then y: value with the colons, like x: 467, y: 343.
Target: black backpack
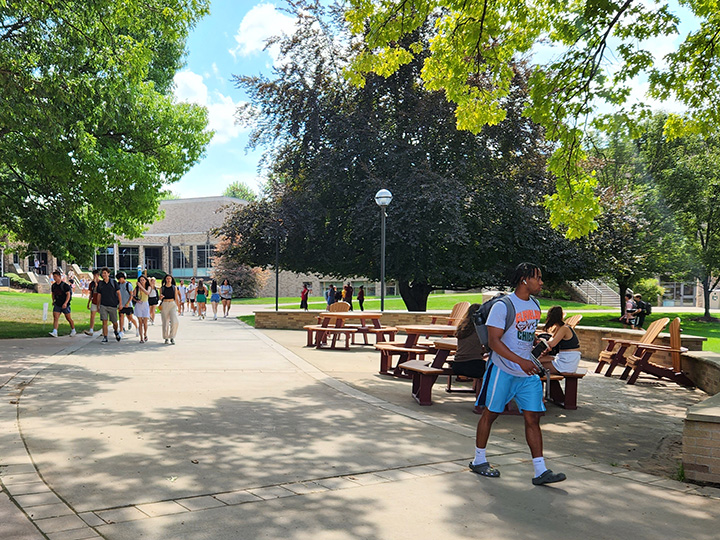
x: 481, y: 315
x: 647, y: 308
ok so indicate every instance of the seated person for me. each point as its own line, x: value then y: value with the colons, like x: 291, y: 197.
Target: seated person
x: 469, y: 361
x: 564, y: 344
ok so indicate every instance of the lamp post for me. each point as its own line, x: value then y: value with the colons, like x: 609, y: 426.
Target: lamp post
x: 383, y: 199
x: 278, y: 230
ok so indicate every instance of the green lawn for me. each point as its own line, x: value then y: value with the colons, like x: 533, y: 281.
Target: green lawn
x: 435, y: 302
x: 21, y: 315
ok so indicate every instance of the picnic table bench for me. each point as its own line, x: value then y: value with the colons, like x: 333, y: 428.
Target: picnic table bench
x: 410, y: 348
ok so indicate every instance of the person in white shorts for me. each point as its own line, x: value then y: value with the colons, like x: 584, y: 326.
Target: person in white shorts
x: 564, y: 343
x: 183, y: 296
x: 511, y: 375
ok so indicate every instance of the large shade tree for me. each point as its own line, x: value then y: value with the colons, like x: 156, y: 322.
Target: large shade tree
x: 465, y: 206
x: 687, y: 173
x: 600, y: 47
x: 636, y: 237
x: 89, y: 130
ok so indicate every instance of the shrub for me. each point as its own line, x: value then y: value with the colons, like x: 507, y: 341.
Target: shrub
x: 17, y: 281
x: 649, y: 289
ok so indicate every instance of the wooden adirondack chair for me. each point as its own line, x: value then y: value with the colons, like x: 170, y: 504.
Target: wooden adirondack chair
x: 573, y: 320
x: 618, y: 357
x: 639, y: 362
x: 457, y: 314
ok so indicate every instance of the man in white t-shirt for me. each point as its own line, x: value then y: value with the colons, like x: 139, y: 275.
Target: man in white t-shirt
x: 512, y: 375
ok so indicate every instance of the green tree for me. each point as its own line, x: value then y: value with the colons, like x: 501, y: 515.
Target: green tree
x: 687, y: 172
x: 245, y: 281
x: 89, y: 131
x: 636, y: 237
x: 470, y: 58
x: 240, y: 190
x: 465, y: 206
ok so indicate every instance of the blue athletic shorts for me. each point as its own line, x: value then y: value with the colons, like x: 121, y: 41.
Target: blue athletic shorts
x: 499, y: 388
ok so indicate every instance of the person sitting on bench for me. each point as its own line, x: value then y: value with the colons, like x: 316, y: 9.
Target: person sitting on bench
x: 564, y: 344
x: 469, y: 361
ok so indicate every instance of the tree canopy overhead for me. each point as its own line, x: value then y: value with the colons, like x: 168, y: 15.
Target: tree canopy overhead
x: 89, y: 131
x: 465, y: 207
x: 603, y: 46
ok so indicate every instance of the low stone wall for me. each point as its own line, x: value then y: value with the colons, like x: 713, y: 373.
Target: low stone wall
x: 703, y: 368
x: 701, y: 434
x: 295, y: 319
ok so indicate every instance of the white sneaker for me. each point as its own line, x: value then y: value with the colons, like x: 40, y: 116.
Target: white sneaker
x: 137, y: 332
x: 121, y: 334
x: 215, y: 318
x: 72, y: 332
x: 89, y: 333
x: 53, y: 333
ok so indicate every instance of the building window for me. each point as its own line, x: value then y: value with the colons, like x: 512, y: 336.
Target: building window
x: 205, y: 254
x: 129, y: 258
x: 182, y: 261
x: 105, y: 257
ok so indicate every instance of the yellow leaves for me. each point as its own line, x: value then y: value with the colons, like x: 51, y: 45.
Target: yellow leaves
x: 679, y: 126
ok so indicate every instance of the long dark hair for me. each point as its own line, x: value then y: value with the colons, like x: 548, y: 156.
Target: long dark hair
x: 466, y: 326
x: 146, y: 285
x: 213, y: 286
x: 172, y: 280
x: 554, y: 317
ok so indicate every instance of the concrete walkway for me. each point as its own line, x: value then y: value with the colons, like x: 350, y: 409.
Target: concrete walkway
x: 231, y: 435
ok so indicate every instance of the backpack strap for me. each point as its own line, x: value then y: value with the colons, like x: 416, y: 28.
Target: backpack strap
x: 510, y: 312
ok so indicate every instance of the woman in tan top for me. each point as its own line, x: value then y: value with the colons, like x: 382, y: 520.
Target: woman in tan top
x: 469, y: 359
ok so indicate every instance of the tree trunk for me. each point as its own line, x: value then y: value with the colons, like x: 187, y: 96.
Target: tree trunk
x: 706, y: 296
x: 415, y: 295
x: 623, y: 286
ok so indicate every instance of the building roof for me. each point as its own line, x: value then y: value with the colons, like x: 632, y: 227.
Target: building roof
x: 192, y: 216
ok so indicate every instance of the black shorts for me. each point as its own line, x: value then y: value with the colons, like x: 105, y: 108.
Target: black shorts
x: 126, y: 311
x: 470, y: 368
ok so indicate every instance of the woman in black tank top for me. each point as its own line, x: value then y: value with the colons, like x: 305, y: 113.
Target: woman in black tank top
x: 564, y: 342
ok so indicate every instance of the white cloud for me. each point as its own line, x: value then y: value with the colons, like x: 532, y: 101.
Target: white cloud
x: 190, y: 87
x: 261, y: 22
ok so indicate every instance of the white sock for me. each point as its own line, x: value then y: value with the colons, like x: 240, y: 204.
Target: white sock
x: 479, y: 456
x: 539, y: 465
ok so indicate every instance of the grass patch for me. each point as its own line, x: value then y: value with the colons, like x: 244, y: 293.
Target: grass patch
x: 248, y: 319
x: 21, y: 315
x: 436, y: 302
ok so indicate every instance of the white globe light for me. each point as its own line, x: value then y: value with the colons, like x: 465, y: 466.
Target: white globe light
x: 383, y: 197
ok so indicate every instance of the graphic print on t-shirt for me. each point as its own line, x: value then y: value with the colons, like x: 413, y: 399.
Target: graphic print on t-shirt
x: 526, y: 324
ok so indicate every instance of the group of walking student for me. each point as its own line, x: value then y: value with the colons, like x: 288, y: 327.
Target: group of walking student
x: 117, y: 300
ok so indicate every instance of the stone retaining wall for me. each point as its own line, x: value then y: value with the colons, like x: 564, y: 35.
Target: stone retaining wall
x: 294, y: 319
x: 701, y: 434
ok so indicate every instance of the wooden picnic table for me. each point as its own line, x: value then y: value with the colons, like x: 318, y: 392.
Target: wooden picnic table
x: 410, y: 348
x: 335, y: 323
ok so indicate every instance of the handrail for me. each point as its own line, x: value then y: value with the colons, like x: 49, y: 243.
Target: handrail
x: 593, y: 294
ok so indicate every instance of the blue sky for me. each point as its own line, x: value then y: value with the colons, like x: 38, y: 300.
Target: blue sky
x: 230, y: 41
x: 227, y: 42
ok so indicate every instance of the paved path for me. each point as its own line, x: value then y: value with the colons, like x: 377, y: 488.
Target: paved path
x: 230, y: 435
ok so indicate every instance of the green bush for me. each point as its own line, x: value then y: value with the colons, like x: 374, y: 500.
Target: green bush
x: 19, y: 282
x: 649, y: 289
x: 157, y: 274
x: 557, y: 292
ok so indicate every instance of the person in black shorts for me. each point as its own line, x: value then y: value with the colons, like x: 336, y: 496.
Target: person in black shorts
x: 61, y: 295
x: 109, y: 301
